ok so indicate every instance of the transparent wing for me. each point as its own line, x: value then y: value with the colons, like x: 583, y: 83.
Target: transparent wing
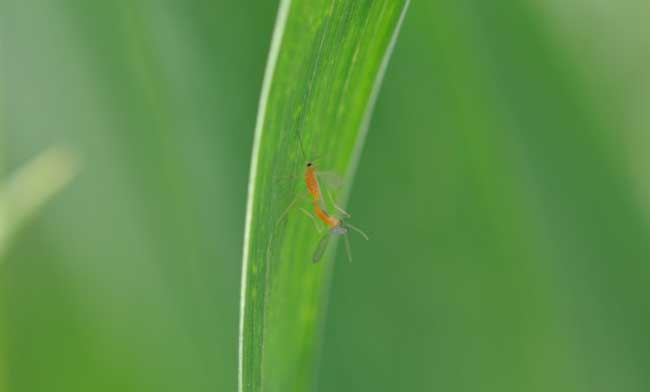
x: 348, y: 249
x: 331, y: 179
x: 322, y: 246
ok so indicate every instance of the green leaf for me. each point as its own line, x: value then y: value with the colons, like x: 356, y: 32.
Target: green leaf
x: 325, y: 66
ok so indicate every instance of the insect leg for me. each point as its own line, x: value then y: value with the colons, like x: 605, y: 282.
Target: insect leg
x: 289, y: 207
x: 339, y: 209
x: 358, y: 230
x: 318, y: 228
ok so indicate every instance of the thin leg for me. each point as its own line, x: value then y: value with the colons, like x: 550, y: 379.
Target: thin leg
x: 289, y: 207
x: 286, y: 211
x: 339, y: 209
x: 318, y: 228
x: 358, y: 230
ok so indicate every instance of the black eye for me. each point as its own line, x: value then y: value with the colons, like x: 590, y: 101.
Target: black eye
x: 308, y: 164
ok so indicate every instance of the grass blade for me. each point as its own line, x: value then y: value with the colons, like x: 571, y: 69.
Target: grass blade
x: 326, y: 62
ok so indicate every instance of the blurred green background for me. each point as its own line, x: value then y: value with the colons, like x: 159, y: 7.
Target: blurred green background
x: 504, y: 185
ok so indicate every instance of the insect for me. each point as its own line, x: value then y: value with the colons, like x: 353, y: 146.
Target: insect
x: 336, y: 225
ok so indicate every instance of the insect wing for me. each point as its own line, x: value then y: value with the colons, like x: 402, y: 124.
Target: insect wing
x: 348, y: 250
x: 331, y: 179
x: 322, y: 246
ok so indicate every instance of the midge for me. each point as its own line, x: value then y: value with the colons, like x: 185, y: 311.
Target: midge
x: 336, y: 225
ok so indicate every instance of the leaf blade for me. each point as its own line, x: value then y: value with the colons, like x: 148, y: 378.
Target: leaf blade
x: 322, y: 78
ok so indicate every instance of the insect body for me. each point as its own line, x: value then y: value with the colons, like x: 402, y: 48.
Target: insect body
x: 311, y: 180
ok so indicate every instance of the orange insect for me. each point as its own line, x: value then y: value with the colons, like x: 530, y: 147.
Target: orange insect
x: 313, y: 186
x: 336, y: 225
